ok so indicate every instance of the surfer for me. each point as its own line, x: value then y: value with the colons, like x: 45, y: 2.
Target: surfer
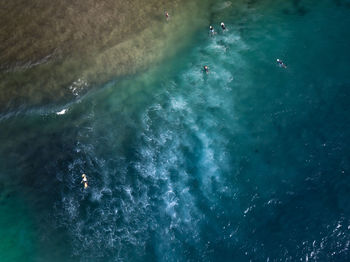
x: 280, y: 63
x: 84, y: 180
x: 211, y: 30
x: 167, y: 16
x: 206, y: 69
x: 223, y: 26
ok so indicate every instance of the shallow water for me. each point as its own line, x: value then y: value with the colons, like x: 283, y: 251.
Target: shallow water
x: 248, y: 162
x: 54, y: 52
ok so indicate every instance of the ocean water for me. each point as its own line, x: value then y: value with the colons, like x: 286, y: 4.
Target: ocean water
x: 249, y: 162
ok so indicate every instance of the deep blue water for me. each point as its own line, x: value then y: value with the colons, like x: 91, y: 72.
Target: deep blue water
x: 247, y: 163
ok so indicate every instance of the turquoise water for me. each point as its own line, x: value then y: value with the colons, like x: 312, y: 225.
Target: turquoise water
x: 247, y: 163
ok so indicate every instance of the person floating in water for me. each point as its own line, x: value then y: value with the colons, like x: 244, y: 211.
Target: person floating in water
x: 280, y: 63
x: 206, y: 69
x: 166, y: 15
x: 211, y: 30
x: 85, y: 181
x: 223, y: 26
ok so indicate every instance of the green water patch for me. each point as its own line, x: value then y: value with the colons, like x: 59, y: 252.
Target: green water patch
x: 31, y: 179
x: 18, y: 234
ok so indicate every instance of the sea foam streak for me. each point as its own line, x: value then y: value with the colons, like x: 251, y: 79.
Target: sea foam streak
x: 62, y: 112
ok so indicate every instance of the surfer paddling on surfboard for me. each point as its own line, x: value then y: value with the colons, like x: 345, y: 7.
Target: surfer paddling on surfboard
x: 223, y: 26
x: 85, y: 181
x: 211, y: 30
x: 280, y: 63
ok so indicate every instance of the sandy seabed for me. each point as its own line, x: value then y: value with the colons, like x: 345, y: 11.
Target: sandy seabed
x: 55, y: 51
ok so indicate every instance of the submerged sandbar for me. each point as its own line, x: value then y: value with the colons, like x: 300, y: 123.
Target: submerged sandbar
x: 54, y: 51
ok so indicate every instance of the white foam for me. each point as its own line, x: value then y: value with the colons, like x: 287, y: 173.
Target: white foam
x: 178, y: 103
x: 78, y: 86
x: 62, y: 112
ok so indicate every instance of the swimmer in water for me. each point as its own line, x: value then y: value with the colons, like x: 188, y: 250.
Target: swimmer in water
x: 84, y: 180
x: 280, y: 63
x: 206, y: 69
x: 211, y: 30
x: 223, y: 26
x: 166, y: 15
